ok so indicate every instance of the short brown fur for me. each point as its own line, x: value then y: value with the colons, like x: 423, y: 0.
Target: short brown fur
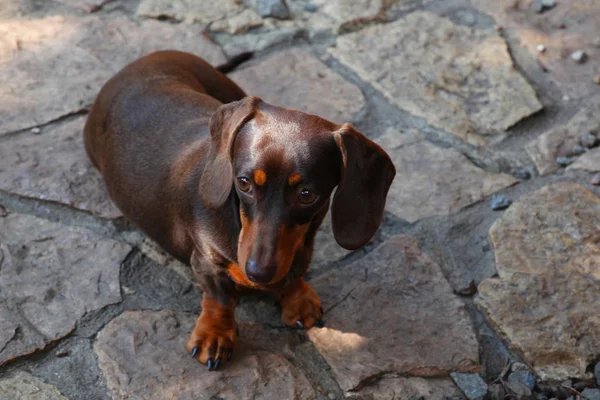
x: 171, y: 135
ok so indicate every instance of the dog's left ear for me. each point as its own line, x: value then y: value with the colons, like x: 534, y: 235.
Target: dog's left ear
x: 358, y: 204
x: 217, y: 179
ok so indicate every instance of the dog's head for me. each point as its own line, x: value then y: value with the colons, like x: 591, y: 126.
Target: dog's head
x: 283, y: 166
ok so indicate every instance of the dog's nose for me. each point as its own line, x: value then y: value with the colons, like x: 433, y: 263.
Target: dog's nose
x: 260, y: 273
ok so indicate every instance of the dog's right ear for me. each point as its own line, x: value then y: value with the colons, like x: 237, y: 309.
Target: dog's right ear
x: 225, y: 123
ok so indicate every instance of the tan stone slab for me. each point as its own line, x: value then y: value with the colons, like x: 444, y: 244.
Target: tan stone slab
x: 202, y: 11
x: 560, y: 141
x: 589, y: 161
x: 347, y: 12
x: 80, y: 54
x: 239, y: 23
x: 87, y: 5
x: 53, y: 166
x: 297, y: 80
x: 23, y: 386
x: 142, y: 355
x: 50, y: 276
x: 434, y: 181
x: 459, y: 79
x: 392, y: 312
x: 580, y: 19
x: 546, y: 301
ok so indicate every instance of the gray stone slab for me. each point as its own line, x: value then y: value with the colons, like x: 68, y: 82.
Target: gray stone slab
x: 142, y: 354
x: 297, y: 80
x: 431, y: 180
x: 459, y: 79
x: 80, y: 54
x: 54, y: 166
x: 50, y: 276
x: 561, y: 141
x: 392, y: 312
x: 190, y: 11
x: 408, y: 388
x: 547, y: 297
x: 23, y: 386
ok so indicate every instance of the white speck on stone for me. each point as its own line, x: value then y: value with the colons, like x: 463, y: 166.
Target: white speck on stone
x: 578, y: 56
x: 541, y: 48
x: 566, y: 98
x: 35, y: 130
x: 549, y: 3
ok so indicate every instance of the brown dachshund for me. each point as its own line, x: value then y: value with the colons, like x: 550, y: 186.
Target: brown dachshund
x: 231, y: 185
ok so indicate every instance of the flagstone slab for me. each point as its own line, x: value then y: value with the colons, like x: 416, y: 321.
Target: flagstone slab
x: 392, y: 312
x: 53, y: 165
x: 24, y: 386
x: 297, y: 80
x: 459, y: 79
x: 80, y: 54
x: 142, y: 354
x: 546, y: 299
x: 50, y: 276
x: 563, y: 140
x: 190, y: 11
x: 431, y: 180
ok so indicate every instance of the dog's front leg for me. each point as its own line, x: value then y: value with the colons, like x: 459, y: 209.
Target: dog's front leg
x: 301, y: 306
x: 213, y: 339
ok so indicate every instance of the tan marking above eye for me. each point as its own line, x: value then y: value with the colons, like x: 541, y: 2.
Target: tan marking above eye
x: 260, y: 177
x: 294, y: 179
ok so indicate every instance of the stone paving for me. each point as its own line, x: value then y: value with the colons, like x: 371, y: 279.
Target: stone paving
x: 450, y: 300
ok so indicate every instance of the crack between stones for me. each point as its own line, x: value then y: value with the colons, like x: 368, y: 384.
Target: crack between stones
x: 11, y: 134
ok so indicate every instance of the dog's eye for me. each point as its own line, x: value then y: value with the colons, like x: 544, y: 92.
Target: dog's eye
x: 307, y: 197
x: 243, y: 184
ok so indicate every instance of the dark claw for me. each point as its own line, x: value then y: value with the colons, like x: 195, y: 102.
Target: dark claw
x: 237, y: 331
x: 229, y: 354
x: 320, y: 323
x: 217, y: 364
x: 194, y: 352
x: 210, y: 365
x: 300, y: 324
x: 321, y: 309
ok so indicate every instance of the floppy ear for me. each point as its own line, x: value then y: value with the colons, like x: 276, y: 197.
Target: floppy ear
x: 225, y: 123
x: 358, y: 204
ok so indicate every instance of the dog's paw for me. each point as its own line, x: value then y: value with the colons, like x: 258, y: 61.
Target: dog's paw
x: 212, y: 342
x: 301, y: 307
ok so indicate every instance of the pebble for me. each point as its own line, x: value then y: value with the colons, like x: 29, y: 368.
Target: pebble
x: 591, y: 394
x: 35, y: 130
x: 524, y: 377
x: 522, y: 174
x: 311, y: 7
x: 541, y: 48
x: 578, y: 150
x: 578, y: 56
x: 564, y: 161
x: 549, y: 3
x: 500, y: 202
x: 588, y: 140
x: 273, y: 8
x: 539, y: 6
x: 471, y: 385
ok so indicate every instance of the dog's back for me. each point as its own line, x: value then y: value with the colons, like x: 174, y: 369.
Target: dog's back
x: 148, y: 127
